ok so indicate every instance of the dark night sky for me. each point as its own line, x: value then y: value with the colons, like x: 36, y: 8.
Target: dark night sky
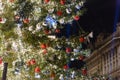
x: 99, y: 16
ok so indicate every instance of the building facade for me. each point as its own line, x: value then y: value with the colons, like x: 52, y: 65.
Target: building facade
x: 105, y: 60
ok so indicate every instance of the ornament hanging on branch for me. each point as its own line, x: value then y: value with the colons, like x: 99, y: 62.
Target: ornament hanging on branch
x: 37, y: 69
x: 1, y: 60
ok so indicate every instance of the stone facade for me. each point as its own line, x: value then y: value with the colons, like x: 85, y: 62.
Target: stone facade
x: 105, y: 60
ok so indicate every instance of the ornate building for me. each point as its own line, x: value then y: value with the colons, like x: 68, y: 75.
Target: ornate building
x: 105, y: 60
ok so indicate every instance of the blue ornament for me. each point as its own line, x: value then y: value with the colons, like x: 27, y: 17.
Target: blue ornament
x: 50, y: 21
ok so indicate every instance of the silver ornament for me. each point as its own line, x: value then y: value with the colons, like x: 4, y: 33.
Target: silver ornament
x: 61, y: 77
x: 78, y: 6
x: 44, y: 24
x: 68, y: 10
x: 37, y: 75
x: 62, y: 21
x: 30, y: 28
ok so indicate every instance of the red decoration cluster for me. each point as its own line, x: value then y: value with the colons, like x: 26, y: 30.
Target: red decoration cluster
x: 1, y: 60
x: 26, y: 21
x: 57, y: 31
x: 76, y: 17
x: 62, y: 2
x: 68, y: 50
x: 59, y: 13
x: 31, y: 62
x: 11, y: 1
x: 0, y: 19
x: 46, y: 31
x: 46, y: 1
x: 84, y: 72
x: 81, y: 57
x: 81, y: 39
x: 43, y: 46
x: 65, y: 67
x: 37, y: 69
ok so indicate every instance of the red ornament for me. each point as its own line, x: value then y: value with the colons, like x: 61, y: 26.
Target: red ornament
x: 26, y: 20
x: 76, y: 18
x: 11, y: 0
x: 37, y: 69
x: 59, y: 13
x: 57, y: 30
x: 82, y: 39
x: 32, y: 62
x: 81, y: 57
x: 62, y: 2
x: 43, y: 46
x: 1, y: 19
x: 68, y: 50
x: 84, y: 72
x: 1, y: 60
x: 46, y: 31
x: 65, y: 67
x: 46, y: 1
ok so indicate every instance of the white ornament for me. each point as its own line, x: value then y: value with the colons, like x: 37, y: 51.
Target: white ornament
x: 72, y: 59
x: 44, y: 24
x: 78, y: 6
x: 61, y: 77
x: 68, y: 10
x: 81, y: 3
x: 76, y: 50
x: 73, y: 74
x: 38, y: 27
x: 30, y: 28
x: 54, y: 25
x: 37, y: 75
x: 17, y: 71
x: 61, y: 21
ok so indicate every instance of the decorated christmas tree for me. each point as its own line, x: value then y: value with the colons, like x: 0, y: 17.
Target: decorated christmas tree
x: 42, y: 39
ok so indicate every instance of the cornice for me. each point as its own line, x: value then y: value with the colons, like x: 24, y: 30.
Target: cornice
x: 111, y: 39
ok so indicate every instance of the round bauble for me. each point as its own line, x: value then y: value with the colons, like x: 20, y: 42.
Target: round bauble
x: 26, y: 21
x: 59, y: 13
x: 57, y: 31
x: 43, y: 46
x: 32, y: 61
x: 76, y: 17
x: 68, y: 50
x: 81, y: 39
x: 84, y: 72
x: 37, y: 69
x: 62, y: 2
x: 46, y: 1
x: 1, y: 60
x: 1, y: 19
x: 65, y: 67
x: 81, y: 57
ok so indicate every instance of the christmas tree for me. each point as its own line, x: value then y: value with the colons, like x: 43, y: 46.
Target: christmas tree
x: 42, y: 39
